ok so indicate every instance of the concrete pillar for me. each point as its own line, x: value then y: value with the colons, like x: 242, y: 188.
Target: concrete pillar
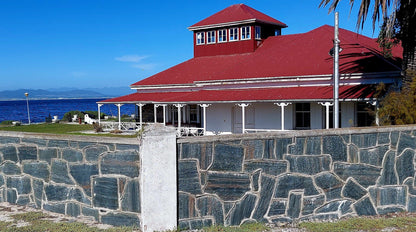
x: 179, y: 106
x: 155, y: 111
x: 327, y: 105
x: 140, y: 105
x: 282, y: 111
x: 158, y: 192
x: 204, y: 110
x: 164, y: 114
x: 243, y: 116
x: 99, y: 113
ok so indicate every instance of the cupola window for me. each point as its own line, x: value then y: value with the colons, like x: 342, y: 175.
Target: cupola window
x: 258, y: 32
x: 210, y: 37
x: 222, y: 35
x: 245, y: 32
x: 233, y: 34
x: 200, y: 38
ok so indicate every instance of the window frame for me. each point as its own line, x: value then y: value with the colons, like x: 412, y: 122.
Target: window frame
x: 364, y: 118
x: 198, y: 40
x: 233, y: 29
x: 257, y: 32
x: 245, y: 34
x: 211, y: 35
x: 302, y: 113
x: 222, y: 36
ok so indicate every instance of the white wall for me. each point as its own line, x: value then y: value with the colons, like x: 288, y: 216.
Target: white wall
x: 267, y: 116
x: 317, y: 112
x: 219, y: 117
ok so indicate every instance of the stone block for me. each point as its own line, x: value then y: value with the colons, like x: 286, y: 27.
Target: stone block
x: 105, y: 192
x: 309, y: 164
x: 254, y: 149
x: 383, y: 138
x: 38, y: 192
x: 120, y: 162
x: 10, y: 168
x: 39, y: 169
x: 189, y: 177
x: 410, y: 185
x: 390, y: 210
x: 255, y: 180
x: 266, y: 193
x: 388, y: 173
x: 288, y: 182
x: 56, y: 192
x: 82, y: 145
x: 411, y: 204
x: 58, y: 143
x: 364, y: 207
x: 130, y: 200
x: 321, y: 217
x: 21, y: 183
x: 11, y: 196
x: 298, y: 147
x: 211, y: 206
x: 59, y: 172
x: 23, y: 200
x: 330, y: 183
x: 183, y: 225
x: 294, y: 204
x: 90, y: 212
x: 121, y: 219
x: 124, y: 147
x: 335, y: 146
x: 373, y: 156
x: 281, y: 220
x: 78, y: 195
x: 353, y: 154
x: 353, y: 190
x: 405, y: 141
x: 268, y: 151
x: 1, y: 180
x: 310, y: 203
x: 364, y: 174
x: 47, y: 154
x: 200, y: 151
x: 404, y: 165
x: 197, y: 224
x: 282, y: 147
x: 9, y: 153
x: 82, y: 175
x: 242, y: 210
x: 270, y: 167
x: 364, y: 140
x: 388, y: 195
x: 56, y: 208
x: 394, y: 138
x: 72, y: 155
x: 228, y: 186
x: 93, y: 152
x: 313, y: 146
x: 187, y: 208
x: 27, y: 153
x: 228, y: 158
x: 40, y: 142
x: 277, y: 207
x: 73, y: 209
x: 341, y: 207
x: 6, y: 140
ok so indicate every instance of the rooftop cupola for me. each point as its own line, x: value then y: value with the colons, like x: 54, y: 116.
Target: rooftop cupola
x: 236, y: 29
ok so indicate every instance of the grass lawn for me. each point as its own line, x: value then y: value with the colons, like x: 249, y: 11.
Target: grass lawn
x: 58, y: 128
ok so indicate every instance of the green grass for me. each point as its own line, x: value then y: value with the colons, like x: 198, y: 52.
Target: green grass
x: 249, y: 227
x: 399, y: 223
x: 59, y: 128
x: 39, y: 223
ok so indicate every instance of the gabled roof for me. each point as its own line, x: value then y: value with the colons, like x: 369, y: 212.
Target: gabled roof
x: 234, y: 15
x: 294, y: 55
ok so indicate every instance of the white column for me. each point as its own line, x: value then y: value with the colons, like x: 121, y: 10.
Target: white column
x: 155, y: 112
x: 179, y: 106
x: 243, y: 116
x: 140, y: 105
x: 327, y: 105
x: 204, y: 110
x: 99, y: 113
x: 282, y: 111
x: 164, y: 114
x: 119, y: 115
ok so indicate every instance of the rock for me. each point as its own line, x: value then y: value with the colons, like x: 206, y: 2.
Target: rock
x: 330, y: 183
x: 9, y: 152
x: 121, y: 219
x: 364, y: 140
x: 266, y: 193
x: 187, y: 208
x: 389, y: 195
x: 341, y: 207
x: 22, y: 184
x: 93, y: 152
x: 120, y: 162
x: 130, y: 200
x: 271, y: 167
x: 228, y: 186
x: 10, y: 168
x: 254, y: 149
x: 388, y: 173
x: 47, y: 154
x: 211, y: 206
x: 294, y: 204
x: 373, y: 156
x: 288, y: 182
x: 335, y: 146
x: 73, y: 209
x: 364, y: 207
x: 72, y: 155
x: 105, y: 192
x: 59, y: 172
x: 82, y: 174
x: 27, y: 153
x: 228, y: 158
x: 56, y: 208
x: 405, y: 141
x: 310, y: 203
x: 404, y: 165
x: 56, y: 192
x: 364, y: 174
x: 309, y: 164
x: 242, y: 210
x: 189, y: 177
x: 277, y: 207
x: 200, y: 151
x: 353, y: 190
x: 39, y: 169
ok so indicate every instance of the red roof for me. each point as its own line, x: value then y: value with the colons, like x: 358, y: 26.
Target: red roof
x: 236, y: 13
x: 250, y: 95
x: 303, y: 54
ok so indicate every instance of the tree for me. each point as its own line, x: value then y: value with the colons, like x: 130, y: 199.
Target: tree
x: 399, y: 19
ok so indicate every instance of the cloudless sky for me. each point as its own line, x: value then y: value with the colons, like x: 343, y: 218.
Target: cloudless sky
x: 103, y: 43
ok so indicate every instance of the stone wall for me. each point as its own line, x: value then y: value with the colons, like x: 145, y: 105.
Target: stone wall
x: 290, y: 176
x: 72, y: 175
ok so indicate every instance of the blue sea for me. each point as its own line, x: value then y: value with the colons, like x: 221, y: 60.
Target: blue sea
x: 40, y: 109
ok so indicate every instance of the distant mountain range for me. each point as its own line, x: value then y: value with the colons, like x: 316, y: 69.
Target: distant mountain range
x: 64, y: 93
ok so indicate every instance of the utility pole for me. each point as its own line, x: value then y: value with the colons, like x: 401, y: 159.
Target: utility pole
x: 336, y: 73
x: 27, y: 104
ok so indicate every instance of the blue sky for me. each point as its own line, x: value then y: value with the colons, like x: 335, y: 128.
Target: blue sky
x: 103, y: 43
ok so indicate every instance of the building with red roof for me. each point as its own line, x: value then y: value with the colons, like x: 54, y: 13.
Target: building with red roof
x: 246, y: 76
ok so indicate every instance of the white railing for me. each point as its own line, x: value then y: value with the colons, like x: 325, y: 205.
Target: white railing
x: 261, y: 130
x: 191, y: 131
x: 124, y: 126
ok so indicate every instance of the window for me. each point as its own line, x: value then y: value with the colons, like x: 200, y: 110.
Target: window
x: 200, y: 38
x: 365, y: 115
x: 222, y: 35
x: 245, y: 32
x: 258, y: 32
x: 277, y: 32
x: 233, y: 34
x: 303, y: 116
x: 210, y: 37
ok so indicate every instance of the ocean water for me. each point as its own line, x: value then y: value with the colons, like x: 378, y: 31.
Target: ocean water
x: 40, y: 109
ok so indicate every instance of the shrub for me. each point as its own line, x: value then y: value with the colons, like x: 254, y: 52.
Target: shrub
x: 68, y: 115
x: 6, y: 122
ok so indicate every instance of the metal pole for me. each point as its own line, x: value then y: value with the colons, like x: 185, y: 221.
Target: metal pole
x: 27, y: 103
x: 336, y: 73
